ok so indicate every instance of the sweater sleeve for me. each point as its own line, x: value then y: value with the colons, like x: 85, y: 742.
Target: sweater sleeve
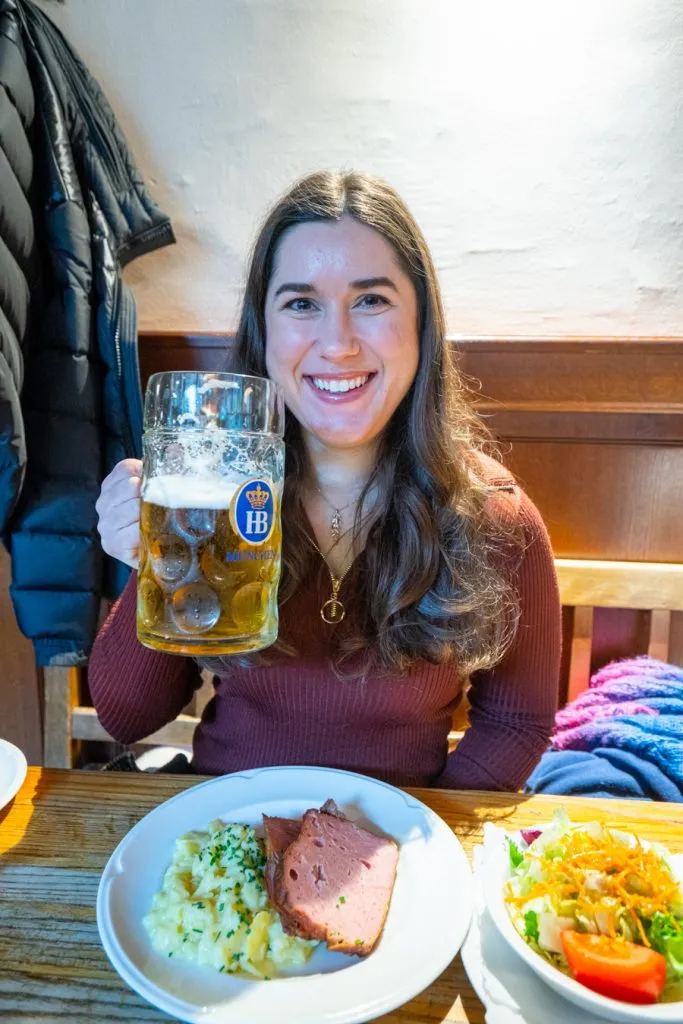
x: 513, y: 704
x: 136, y: 690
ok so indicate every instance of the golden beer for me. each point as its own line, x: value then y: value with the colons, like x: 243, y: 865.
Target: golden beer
x: 210, y: 533
x: 209, y: 565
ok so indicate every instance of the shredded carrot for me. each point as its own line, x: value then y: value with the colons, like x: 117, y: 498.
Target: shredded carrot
x: 632, y: 879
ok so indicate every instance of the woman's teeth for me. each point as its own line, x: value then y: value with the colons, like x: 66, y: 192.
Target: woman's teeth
x: 348, y: 384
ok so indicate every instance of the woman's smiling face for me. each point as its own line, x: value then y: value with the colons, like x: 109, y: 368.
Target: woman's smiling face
x: 341, y: 330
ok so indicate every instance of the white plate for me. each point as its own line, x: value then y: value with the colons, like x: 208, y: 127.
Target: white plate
x: 12, y: 771
x: 495, y: 871
x: 428, y: 918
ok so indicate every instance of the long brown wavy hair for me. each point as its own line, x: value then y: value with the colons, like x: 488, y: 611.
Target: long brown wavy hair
x: 431, y: 586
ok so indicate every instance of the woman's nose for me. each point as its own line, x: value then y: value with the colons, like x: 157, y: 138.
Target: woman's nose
x: 337, y: 338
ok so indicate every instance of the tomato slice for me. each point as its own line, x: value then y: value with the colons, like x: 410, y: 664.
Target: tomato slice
x: 621, y: 970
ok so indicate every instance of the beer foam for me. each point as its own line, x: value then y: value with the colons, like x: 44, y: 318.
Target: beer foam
x: 177, y: 491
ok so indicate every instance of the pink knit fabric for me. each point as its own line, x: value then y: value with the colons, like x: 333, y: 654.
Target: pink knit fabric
x: 634, y: 686
x: 601, y: 706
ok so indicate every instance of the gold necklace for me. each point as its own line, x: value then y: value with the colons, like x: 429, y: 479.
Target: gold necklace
x: 333, y: 610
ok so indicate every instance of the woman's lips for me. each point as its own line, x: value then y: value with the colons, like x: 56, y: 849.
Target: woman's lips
x: 339, y: 397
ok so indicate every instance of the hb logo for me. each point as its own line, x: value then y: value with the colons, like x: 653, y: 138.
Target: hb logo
x: 257, y: 523
x: 252, y: 511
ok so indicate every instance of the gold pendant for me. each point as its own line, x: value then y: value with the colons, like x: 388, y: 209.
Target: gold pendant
x: 336, y: 525
x: 333, y: 611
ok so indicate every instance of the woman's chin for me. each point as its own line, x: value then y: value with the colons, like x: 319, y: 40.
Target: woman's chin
x: 342, y: 439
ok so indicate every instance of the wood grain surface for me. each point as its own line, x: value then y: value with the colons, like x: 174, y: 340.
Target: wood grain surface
x: 58, y: 833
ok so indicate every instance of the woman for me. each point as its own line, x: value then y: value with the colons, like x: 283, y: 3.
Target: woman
x: 441, y: 562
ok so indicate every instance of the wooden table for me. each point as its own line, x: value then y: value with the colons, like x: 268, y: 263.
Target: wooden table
x: 57, y: 834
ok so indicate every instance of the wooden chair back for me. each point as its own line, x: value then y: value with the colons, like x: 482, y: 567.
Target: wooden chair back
x: 586, y: 585
x: 67, y: 721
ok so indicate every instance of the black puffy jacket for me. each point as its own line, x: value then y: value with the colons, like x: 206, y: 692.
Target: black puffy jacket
x: 81, y: 398
x: 18, y: 257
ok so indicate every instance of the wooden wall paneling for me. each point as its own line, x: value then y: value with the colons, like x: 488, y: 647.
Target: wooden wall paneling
x: 183, y: 352
x: 593, y: 428
x: 624, y: 375
x: 600, y: 500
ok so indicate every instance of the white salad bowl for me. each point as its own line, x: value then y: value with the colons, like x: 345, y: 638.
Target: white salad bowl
x: 496, y: 872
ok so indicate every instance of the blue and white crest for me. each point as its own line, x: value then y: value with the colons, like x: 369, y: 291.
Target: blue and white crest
x: 252, y: 512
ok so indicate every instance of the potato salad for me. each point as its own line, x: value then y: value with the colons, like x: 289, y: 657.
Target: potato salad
x: 213, y: 906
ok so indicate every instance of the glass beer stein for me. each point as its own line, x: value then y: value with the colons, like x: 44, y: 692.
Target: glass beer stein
x: 210, y: 531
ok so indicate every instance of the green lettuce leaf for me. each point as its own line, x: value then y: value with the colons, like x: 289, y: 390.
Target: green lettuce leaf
x: 666, y: 936
x: 516, y: 855
x: 531, y: 925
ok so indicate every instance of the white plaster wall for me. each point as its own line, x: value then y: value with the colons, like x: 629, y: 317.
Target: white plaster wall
x: 540, y: 144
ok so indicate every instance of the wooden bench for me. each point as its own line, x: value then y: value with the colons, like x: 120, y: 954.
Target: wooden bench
x: 584, y: 586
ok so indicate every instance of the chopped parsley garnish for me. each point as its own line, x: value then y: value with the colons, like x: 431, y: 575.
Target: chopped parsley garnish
x: 358, y: 942
x: 342, y: 899
x: 237, y: 859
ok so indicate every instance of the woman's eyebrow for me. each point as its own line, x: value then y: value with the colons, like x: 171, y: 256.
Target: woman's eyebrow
x: 294, y: 286
x: 302, y: 287
x: 374, y: 282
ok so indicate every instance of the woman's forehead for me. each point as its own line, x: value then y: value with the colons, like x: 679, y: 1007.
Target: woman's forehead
x: 346, y: 249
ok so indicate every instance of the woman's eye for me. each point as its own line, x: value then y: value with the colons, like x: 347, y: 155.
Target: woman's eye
x: 300, y: 305
x: 372, y: 301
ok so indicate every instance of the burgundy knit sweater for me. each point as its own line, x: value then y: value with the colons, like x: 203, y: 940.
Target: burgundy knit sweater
x: 394, y: 728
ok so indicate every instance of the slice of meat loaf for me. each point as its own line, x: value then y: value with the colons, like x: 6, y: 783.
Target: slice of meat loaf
x: 334, y: 882
x: 280, y: 832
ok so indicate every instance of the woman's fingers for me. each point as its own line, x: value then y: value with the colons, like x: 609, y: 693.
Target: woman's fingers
x: 118, y: 511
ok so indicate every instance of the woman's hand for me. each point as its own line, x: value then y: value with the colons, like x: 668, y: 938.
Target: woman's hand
x: 118, y: 509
